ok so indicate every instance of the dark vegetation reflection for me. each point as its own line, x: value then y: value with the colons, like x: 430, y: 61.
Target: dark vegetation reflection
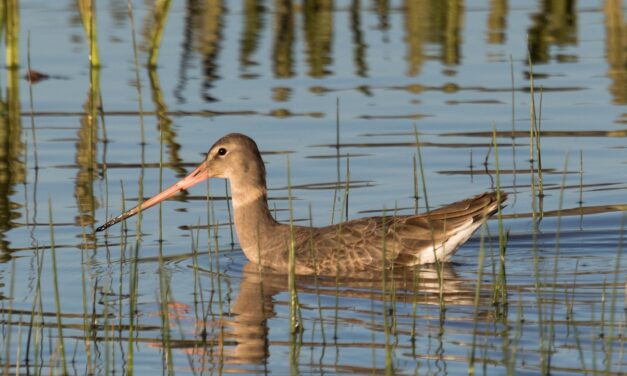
x: 426, y: 23
x: 433, y: 30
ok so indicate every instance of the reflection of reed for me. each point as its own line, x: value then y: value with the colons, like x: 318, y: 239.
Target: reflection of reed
x: 165, y: 123
x: 453, y: 13
x: 203, y: 33
x: 416, y: 18
x: 554, y: 23
x: 426, y: 22
x: 253, y: 25
x: 86, y: 154
x: 11, y: 17
x: 429, y: 21
x: 160, y: 16
x: 359, y: 49
x: 283, y: 61
x: 497, y: 21
x: 209, y: 34
x: 12, y: 169
x: 616, y: 49
x: 382, y: 8
x: 191, y: 15
x: 318, y: 30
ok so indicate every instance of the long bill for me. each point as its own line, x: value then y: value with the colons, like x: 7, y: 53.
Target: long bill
x: 199, y: 174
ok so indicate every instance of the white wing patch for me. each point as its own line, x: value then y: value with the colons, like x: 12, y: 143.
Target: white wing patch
x: 444, y: 250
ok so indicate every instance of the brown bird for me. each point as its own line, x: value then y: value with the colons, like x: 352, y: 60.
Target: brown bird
x: 359, y: 244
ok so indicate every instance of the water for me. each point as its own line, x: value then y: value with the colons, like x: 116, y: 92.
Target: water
x: 285, y: 76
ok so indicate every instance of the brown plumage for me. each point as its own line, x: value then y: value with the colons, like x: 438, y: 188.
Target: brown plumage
x: 360, y: 244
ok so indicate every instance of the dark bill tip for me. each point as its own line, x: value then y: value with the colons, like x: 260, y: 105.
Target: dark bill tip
x: 107, y: 225
x: 117, y: 219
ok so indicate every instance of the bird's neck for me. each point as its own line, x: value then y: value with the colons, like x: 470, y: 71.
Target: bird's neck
x: 253, y: 220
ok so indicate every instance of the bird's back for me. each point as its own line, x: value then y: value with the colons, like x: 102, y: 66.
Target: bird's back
x: 379, y: 242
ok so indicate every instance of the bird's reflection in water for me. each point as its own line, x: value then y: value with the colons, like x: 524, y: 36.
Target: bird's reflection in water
x: 243, y: 336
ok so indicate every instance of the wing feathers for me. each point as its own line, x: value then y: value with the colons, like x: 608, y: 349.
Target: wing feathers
x: 408, y: 240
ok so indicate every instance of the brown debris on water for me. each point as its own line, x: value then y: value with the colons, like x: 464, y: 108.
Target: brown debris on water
x: 34, y: 76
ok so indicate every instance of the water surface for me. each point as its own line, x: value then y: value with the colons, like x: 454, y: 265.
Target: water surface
x: 336, y: 88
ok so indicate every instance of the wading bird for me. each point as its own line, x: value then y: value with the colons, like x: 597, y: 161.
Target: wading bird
x: 371, y: 243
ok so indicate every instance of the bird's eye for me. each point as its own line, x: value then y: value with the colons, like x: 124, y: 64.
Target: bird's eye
x: 221, y: 151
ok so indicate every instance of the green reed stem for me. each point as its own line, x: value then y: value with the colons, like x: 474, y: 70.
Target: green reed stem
x: 580, y: 188
x: 538, y: 288
x: 87, y: 10
x: 30, y: 102
x: 532, y: 138
x: 133, y: 287
x: 622, y: 333
x: 393, y: 292
x: 513, y: 137
x: 582, y: 358
x: 389, y: 364
x: 294, y: 324
x: 210, y: 222
x: 134, y: 275
x: 602, y: 322
x: 339, y: 246
x: 337, y: 159
x: 160, y: 14
x: 538, y: 133
x: 593, y: 337
x: 8, y: 321
x: 609, y: 346
x: 107, y: 326
x: 55, y: 281
x: 414, y: 308
x: 471, y: 357
x: 123, y: 245
x: 416, y: 188
x: 346, y: 189
x: 511, y: 73
x: 556, y: 260
x: 18, y: 353
x: 198, y: 293
x: 202, y: 309
x: 532, y: 109
x: 314, y: 262
x: 438, y: 263
x: 160, y: 209
x: 228, y: 210
x: 36, y: 312
x: 502, y: 279
x: 538, y: 285
x: 296, y: 320
x: 177, y: 320
x: 164, y: 283
x: 218, y: 284
x: 38, y: 258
